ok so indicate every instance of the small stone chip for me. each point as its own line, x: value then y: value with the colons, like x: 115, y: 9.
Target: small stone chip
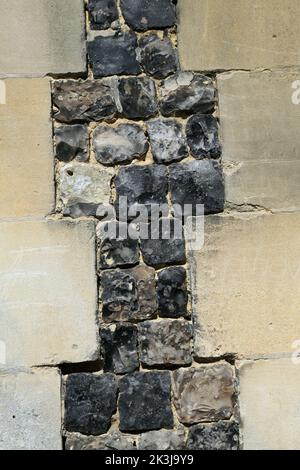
x: 167, y: 140
x: 148, y: 14
x: 202, y: 133
x: 102, y: 13
x: 117, y: 247
x: 138, y: 97
x: 72, y: 142
x: 172, y: 292
x: 119, y: 348
x: 158, y: 56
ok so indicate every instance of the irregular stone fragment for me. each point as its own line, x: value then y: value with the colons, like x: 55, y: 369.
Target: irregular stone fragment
x: 114, y: 55
x: 148, y: 14
x: 138, y: 97
x: 204, y: 393
x: 84, y: 188
x: 117, y: 246
x: 162, y: 440
x: 167, y: 140
x: 72, y: 142
x: 102, y: 13
x: 165, y: 343
x: 197, y: 182
x: 113, y: 441
x: 90, y: 401
x: 158, y: 56
x: 172, y: 292
x: 129, y: 294
x: 217, y: 436
x: 77, y: 101
x: 186, y: 92
x: 202, y: 136
x: 121, y: 144
x: 145, y: 401
x: 119, y: 348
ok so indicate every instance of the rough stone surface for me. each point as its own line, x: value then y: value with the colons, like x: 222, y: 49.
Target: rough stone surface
x: 114, y: 55
x: 121, y: 144
x: 167, y: 342
x: 138, y: 97
x: 168, y: 142
x: 202, y: 136
x: 164, y: 244
x: 116, y: 249
x: 158, y: 56
x: 90, y: 401
x: 197, y: 182
x: 119, y: 348
x: 204, y: 393
x: 145, y: 401
x: 172, y: 292
x: 218, y: 35
x: 72, y: 142
x: 39, y: 44
x: 49, y: 287
x: 102, y: 13
x: 129, y: 294
x: 148, y: 14
x: 113, y: 441
x: 269, y: 389
x: 26, y: 176
x: 84, y: 188
x: 30, y: 410
x: 163, y: 439
x: 217, y: 436
x: 90, y: 100
x: 186, y: 92
x: 256, y: 285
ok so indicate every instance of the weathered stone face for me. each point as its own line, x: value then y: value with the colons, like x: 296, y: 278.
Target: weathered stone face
x: 129, y: 294
x: 145, y: 401
x: 168, y: 143
x: 102, y: 13
x: 167, y: 342
x: 138, y: 97
x: 158, y: 56
x: 113, y: 441
x: 117, y: 250
x: 148, y: 14
x: 84, y: 101
x: 204, y: 393
x: 72, y: 142
x: 202, y: 134
x: 121, y: 144
x: 90, y: 401
x: 162, y: 440
x: 217, y: 436
x: 119, y: 348
x: 172, y: 292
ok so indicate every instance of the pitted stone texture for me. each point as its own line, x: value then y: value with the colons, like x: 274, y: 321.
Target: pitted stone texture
x: 165, y: 343
x: 49, y: 280
x: 186, y: 92
x: 162, y: 440
x: 217, y: 436
x: 148, y: 14
x: 84, y: 188
x: 204, y: 393
x: 117, y: 247
x: 202, y: 136
x: 119, y: 348
x: 30, y: 410
x: 137, y: 97
x: 158, y: 57
x: 197, y: 182
x: 172, y: 292
x: 72, y: 142
x: 129, y: 294
x: 90, y: 401
x: 167, y: 140
x: 164, y: 244
x: 84, y: 101
x: 114, y: 55
x: 39, y: 44
x: 113, y: 441
x: 26, y: 153
x: 121, y: 144
x: 102, y: 13
x: 145, y: 401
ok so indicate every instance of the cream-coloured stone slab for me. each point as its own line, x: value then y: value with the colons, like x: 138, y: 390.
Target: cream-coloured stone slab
x: 269, y: 404
x: 38, y: 37
x: 238, y: 34
x: 48, y: 292
x: 246, y: 286
x: 30, y: 410
x: 26, y: 155
x: 260, y: 124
